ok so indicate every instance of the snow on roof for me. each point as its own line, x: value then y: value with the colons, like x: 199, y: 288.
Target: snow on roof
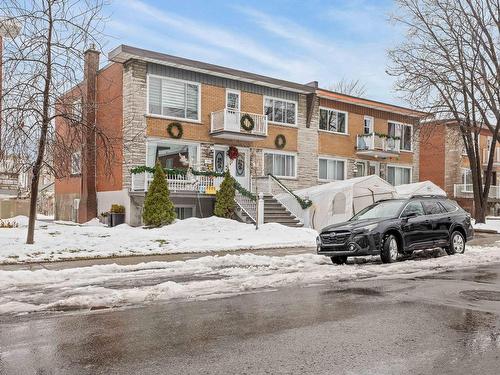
x: 419, y: 188
x: 371, y: 183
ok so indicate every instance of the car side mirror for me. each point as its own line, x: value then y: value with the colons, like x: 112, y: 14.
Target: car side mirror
x: 410, y: 215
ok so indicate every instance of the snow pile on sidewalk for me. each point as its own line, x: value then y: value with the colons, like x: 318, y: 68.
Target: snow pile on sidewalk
x: 107, y: 286
x: 492, y: 224
x: 59, y: 241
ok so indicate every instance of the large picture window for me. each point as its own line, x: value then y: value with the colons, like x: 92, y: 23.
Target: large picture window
x: 331, y: 169
x: 332, y: 120
x: 402, y: 131
x: 172, y: 155
x: 280, y: 111
x: 173, y: 98
x: 280, y: 165
x: 398, y: 175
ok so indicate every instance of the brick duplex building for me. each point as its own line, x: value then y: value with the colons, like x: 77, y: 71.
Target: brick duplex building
x: 444, y: 161
x: 300, y: 133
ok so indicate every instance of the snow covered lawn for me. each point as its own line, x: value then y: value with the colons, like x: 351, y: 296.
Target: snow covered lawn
x: 492, y: 223
x: 107, y: 286
x: 59, y: 241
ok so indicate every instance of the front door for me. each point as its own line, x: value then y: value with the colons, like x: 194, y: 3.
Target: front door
x: 233, y: 110
x: 239, y: 168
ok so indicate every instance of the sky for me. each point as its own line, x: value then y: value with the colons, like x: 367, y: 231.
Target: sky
x: 300, y: 41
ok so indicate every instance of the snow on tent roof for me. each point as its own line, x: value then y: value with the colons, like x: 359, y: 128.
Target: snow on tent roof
x: 368, y: 184
x: 419, y: 188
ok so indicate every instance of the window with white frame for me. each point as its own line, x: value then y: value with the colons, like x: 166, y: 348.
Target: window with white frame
x: 398, y: 175
x: 333, y: 120
x: 174, y: 98
x: 331, y: 169
x: 280, y: 165
x: 76, y: 110
x: 467, y: 179
x: 404, y: 132
x: 172, y: 155
x: 280, y: 111
x: 368, y: 125
x: 76, y: 162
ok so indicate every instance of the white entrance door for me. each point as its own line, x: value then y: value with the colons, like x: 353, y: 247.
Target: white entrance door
x: 233, y: 110
x: 239, y: 168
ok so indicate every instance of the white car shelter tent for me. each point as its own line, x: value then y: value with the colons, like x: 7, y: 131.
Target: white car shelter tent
x: 419, y: 188
x: 338, y: 201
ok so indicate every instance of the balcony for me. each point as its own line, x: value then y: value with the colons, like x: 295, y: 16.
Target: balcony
x: 178, y: 183
x: 377, y: 146
x: 226, y: 123
x: 496, y: 156
x: 465, y: 191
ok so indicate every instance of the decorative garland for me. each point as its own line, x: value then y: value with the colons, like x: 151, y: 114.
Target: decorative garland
x: 168, y: 171
x: 382, y: 135
x: 170, y: 130
x: 304, y: 203
x: 232, y: 152
x: 280, y: 141
x: 247, y: 123
x: 244, y: 191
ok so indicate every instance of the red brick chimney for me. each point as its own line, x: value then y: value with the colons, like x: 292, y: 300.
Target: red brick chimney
x: 88, y: 201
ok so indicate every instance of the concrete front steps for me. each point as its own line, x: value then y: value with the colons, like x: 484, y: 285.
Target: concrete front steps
x: 274, y: 212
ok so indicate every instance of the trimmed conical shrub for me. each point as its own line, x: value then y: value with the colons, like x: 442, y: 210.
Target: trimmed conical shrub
x: 158, y: 208
x: 224, y: 199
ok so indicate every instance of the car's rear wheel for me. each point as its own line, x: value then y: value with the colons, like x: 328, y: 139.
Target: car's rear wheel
x: 457, y: 243
x: 390, y: 249
x: 339, y: 259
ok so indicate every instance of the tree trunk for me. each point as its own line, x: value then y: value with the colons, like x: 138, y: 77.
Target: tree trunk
x: 480, y: 208
x: 37, y: 167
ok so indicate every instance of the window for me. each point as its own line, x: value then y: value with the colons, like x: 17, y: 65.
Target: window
x: 332, y: 120
x: 368, y: 125
x: 280, y: 111
x: 233, y: 99
x: 449, y: 206
x: 413, y: 208
x: 173, y: 98
x: 404, y: 132
x: 331, y: 170
x: 76, y: 162
x: 184, y: 212
x: 467, y: 180
x: 76, y: 110
x: 432, y: 207
x: 172, y: 155
x: 359, y: 169
x: 398, y: 175
x: 280, y: 165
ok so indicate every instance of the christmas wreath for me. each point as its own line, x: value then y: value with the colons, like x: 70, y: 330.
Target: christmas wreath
x: 280, y: 141
x: 232, y: 153
x: 247, y: 122
x: 177, y: 133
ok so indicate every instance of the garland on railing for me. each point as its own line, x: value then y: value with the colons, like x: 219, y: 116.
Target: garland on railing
x: 382, y: 135
x: 169, y: 171
x: 304, y: 203
x: 244, y: 191
x: 183, y: 172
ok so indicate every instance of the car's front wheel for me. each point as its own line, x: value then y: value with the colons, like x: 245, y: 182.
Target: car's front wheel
x: 339, y: 259
x: 390, y: 249
x: 457, y: 243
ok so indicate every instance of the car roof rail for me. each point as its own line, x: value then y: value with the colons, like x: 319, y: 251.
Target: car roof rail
x: 429, y: 196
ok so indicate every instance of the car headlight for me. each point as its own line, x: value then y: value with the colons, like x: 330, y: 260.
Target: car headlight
x: 371, y: 227
x: 318, y: 241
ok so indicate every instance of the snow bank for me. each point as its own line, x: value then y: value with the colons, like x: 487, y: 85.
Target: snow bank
x: 207, y: 277
x: 492, y: 223
x: 58, y: 241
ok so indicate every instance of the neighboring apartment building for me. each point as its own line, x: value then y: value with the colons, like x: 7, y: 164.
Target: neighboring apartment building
x: 301, y: 134
x: 444, y: 161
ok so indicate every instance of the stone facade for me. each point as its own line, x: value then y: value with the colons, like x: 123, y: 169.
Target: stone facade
x: 134, y: 120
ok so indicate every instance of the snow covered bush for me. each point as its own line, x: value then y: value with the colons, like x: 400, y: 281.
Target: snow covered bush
x: 158, y: 208
x: 224, y: 199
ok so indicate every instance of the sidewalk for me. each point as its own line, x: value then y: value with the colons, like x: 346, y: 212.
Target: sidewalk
x: 131, y: 260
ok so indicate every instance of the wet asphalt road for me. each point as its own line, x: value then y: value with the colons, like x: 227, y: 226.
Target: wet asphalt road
x: 445, y: 324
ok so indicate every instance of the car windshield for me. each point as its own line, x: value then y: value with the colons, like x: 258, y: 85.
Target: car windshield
x: 386, y: 209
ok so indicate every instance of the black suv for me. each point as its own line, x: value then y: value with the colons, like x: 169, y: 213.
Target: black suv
x: 395, y: 227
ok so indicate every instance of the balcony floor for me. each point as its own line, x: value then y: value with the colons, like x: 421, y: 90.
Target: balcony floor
x: 378, y: 153
x: 227, y: 134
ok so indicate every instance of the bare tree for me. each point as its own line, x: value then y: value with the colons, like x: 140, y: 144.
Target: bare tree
x: 351, y: 87
x: 43, y: 72
x: 448, y: 65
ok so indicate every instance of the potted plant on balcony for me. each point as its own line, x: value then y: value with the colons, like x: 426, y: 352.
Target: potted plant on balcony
x: 117, y: 215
